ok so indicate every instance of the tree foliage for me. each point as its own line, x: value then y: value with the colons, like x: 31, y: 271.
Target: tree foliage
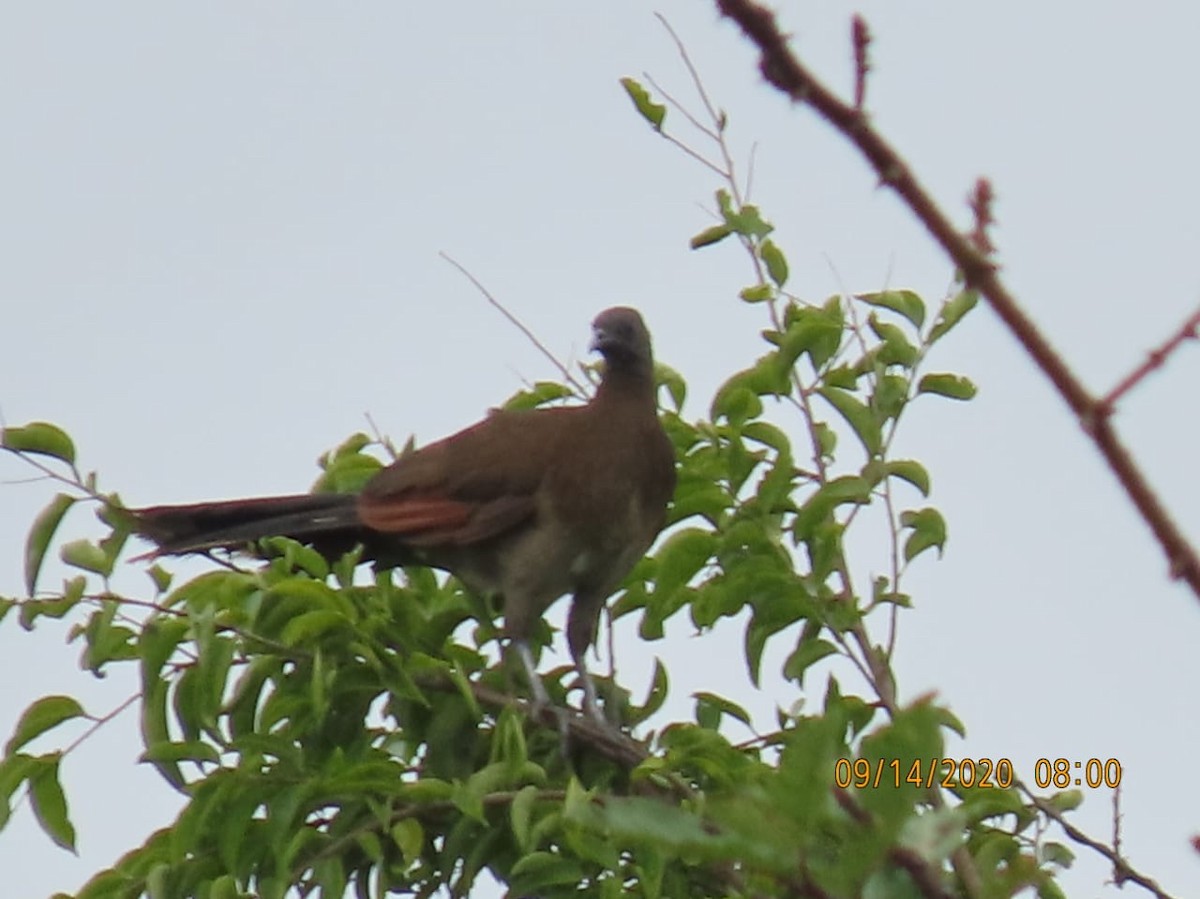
x: 335, y: 729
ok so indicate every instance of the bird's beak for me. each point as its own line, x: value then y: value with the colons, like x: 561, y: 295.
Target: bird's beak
x: 600, y: 339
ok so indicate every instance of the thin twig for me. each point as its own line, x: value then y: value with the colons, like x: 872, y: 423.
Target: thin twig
x: 98, y: 723
x: 380, y: 438
x: 699, y: 157
x: 860, y: 34
x: 751, y: 159
x: 783, y: 70
x: 517, y: 323
x: 75, y: 481
x: 1116, y: 823
x: 680, y: 108
x: 718, y: 118
x: 981, y: 207
x: 1154, y: 360
x: 1122, y: 870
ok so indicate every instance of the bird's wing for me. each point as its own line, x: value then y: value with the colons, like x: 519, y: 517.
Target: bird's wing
x: 471, y: 486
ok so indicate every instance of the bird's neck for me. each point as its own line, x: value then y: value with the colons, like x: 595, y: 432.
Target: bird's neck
x: 630, y: 384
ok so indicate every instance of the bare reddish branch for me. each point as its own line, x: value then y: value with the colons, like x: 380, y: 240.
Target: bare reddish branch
x: 860, y: 34
x: 1155, y: 359
x: 784, y: 71
x: 1123, y: 872
x: 981, y: 208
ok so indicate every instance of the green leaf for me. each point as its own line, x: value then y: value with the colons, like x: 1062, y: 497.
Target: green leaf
x: 806, y: 767
x: 710, y: 706
x: 520, y: 812
x: 86, y: 555
x: 815, y: 330
x: 807, y: 654
x: 297, y: 556
x: 42, y: 438
x: 154, y: 720
x: 50, y: 803
x: 759, y: 293
x: 105, y: 641
x: 952, y: 313
x: 889, y: 397
x: 508, y: 742
x: 779, y: 601
x: 934, y: 835
x: 994, y: 851
x: 14, y: 771
x: 896, y: 348
x: 770, y: 435
x: 161, y: 577
x: 655, y: 696
x: 307, y: 627
x: 409, y: 836
x: 696, y: 496
x: 346, y: 472
x: 928, y: 530
x: 40, y: 536
x: 189, y: 751
x: 906, y: 302
x: 1067, y: 800
x: 880, y: 592
x: 156, y: 644
x: 737, y: 404
x: 542, y: 872
x: 954, y: 386
x: 952, y: 722
x: 33, y: 609
x: 47, y: 712
x: 738, y: 398
x: 909, y: 470
x: 709, y: 236
x: 914, y: 733
x: 775, y: 261
x: 859, y: 416
x: 839, y: 491
x: 225, y: 887
x: 1056, y: 854
x: 746, y: 221
x: 541, y: 394
x: 826, y: 439
x: 683, y: 554
x: 654, y: 113
x: 1049, y: 889
x: 673, y: 381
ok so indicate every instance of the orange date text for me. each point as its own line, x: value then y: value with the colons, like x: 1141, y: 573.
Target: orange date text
x: 927, y: 773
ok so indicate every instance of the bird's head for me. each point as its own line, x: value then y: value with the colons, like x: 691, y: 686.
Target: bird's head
x: 620, y: 336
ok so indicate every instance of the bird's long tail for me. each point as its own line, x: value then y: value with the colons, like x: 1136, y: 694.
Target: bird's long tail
x: 328, y: 521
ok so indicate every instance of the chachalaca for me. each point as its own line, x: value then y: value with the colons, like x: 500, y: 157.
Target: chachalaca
x: 526, y: 505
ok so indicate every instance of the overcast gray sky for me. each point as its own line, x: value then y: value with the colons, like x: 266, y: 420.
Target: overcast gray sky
x: 220, y: 230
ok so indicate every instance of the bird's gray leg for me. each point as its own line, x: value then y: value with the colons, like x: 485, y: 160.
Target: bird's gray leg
x: 540, y: 699
x: 582, y: 622
x: 591, y: 703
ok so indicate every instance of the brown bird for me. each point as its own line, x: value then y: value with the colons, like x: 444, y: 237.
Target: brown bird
x: 526, y: 505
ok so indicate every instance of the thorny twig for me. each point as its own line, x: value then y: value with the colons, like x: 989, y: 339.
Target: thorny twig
x: 1122, y: 870
x: 782, y: 69
x: 1155, y: 359
x: 860, y: 34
